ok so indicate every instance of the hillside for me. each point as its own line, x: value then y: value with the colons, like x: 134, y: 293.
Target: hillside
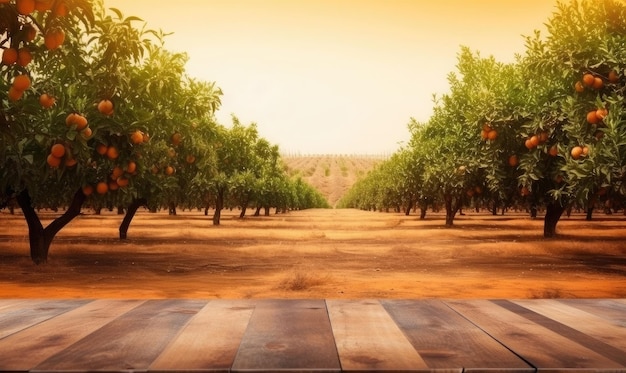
x: 332, y: 175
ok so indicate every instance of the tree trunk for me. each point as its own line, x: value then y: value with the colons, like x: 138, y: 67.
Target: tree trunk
x: 407, y: 211
x: 219, y: 205
x: 258, y: 211
x: 39, y: 237
x: 589, y: 213
x: 267, y: 210
x: 130, y: 214
x: 553, y: 214
x: 242, y: 214
x: 451, y: 208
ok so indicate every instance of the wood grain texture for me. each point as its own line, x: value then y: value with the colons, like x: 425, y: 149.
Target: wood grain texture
x: 32, y: 312
x: 446, y: 340
x: 591, y: 331
x: 368, y: 339
x: 541, y: 347
x: 24, y: 350
x: 613, y: 310
x: 290, y: 335
x: 210, y: 340
x: 130, y: 342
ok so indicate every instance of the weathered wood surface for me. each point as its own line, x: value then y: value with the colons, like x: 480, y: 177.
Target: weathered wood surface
x: 313, y: 335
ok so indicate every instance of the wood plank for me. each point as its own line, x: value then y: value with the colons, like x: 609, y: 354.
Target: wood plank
x: 24, y: 350
x: 288, y: 335
x: 539, y: 346
x: 210, y: 340
x: 130, y: 342
x: 591, y: 331
x: 31, y: 312
x: 613, y: 310
x: 368, y: 339
x: 446, y: 340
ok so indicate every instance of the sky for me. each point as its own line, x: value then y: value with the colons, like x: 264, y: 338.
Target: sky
x: 335, y: 76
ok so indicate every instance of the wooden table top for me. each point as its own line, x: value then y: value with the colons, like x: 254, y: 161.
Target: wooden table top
x: 166, y: 335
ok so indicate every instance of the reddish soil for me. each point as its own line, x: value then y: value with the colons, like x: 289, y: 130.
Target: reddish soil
x: 319, y: 254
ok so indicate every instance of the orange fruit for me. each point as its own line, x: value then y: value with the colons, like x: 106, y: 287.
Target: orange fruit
x: 171, y: 152
x: 136, y: 137
x: 80, y: 121
x: 53, y: 161
x: 102, y: 187
x: 29, y: 33
x: 87, y: 190
x: 70, y: 119
x: 105, y: 107
x: 613, y: 77
x: 543, y: 136
x: 60, y: 9
x: 57, y: 150
x: 122, y: 182
x: 25, y: 7
x: 588, y: 80
x: 9, y: 56
x: 146, y: 137
x: 131, y: 167
x: 598, y: 83
x: 54, y: 38
x: 113, y: 185
x: 21, y: 82
x: 483, y: 134
x: 102, y: 149
x: 601, y: 113
x: 70, y: 162
x: 117, y: 172
x: 492, y: 135
x: 43, y: 5
x: 592, y: 117
x: 579, y: 87
x: 46, y: 101
x: 176, y: 138
x: 576, y: 152
x: 15, y: 94
x: 154, y: 170
x: 24, y: 57
x: 534, y: 140
x: 190, y: 158
x: 513, y: 160
x: 585, y: 151
x: 524, y: 192
x: 553, y: 151
x: 169, y: 170
x: 86, y: 133
x: 112, y: 152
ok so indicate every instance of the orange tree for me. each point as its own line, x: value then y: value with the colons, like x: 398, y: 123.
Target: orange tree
x: 576, y: 96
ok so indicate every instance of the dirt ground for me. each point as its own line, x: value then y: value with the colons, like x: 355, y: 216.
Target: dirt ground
x: 319, y: 254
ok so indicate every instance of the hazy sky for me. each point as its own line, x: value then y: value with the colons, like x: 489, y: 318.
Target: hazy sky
x: 335, y: 76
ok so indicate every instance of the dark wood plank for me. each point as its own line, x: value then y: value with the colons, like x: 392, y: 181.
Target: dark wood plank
x: 369, y: 340
x: 24, y: 350
x: 446, y: 340
x: 210, y: 340
x: 288, y: 335
x: 591, y: 331
x: 539, y: 346
x: 130, y: 342
x: 31, y: 312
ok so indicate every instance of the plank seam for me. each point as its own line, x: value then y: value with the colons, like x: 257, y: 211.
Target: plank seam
x: 491, y: 336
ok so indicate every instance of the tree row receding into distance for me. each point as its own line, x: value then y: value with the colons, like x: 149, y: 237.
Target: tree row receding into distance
x: 97, y: 113
x: 548, y: 130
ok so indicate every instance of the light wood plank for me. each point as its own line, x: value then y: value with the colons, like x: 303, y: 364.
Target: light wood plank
x: 24, y: 350
x: 541, y: 347
x: 446, y: 340
x: 369, y: 340
x: 130, y: 342
x: 599, y: 334
x: 210, y: 340
x: 31, y: 312
x: 613, y: 310
x: 288, y: 335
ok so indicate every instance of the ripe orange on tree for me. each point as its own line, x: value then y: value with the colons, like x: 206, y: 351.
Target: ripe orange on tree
x: 113, y: 185
x: 176, y: 138
x: 24, y: 56
x: 137, y: 137
x: 553, y: 151
x: 46, y: 100
x: 117, y: 172
x: 102, y: 149
x: 576, y: 152
x: 592, y: 118
x: 105, y: 107
x: 70, y: 162
x: 598, y: 83
x: 57, y: 150
x: 25, y: 7
x: 588, y: 80
x: 60, y: 9
x: 513, y: 160
x: 601, y: 113
x: 86, y: 133
x: 492, y: 135
x: 579, y: 87
x: 43, y: 5
x: 102, y: 187
x: 54, y: 38
x: 190, y: 158
x: 122, y: 182
x: 21, y: 82
x: 15, y: 94
x: 87, y: 190
x: 131, y: 167
x: 169, y: 170
x: 112, y: 152
x: 53, y: 161
x: 613, y: 77
x: 9, y: 56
